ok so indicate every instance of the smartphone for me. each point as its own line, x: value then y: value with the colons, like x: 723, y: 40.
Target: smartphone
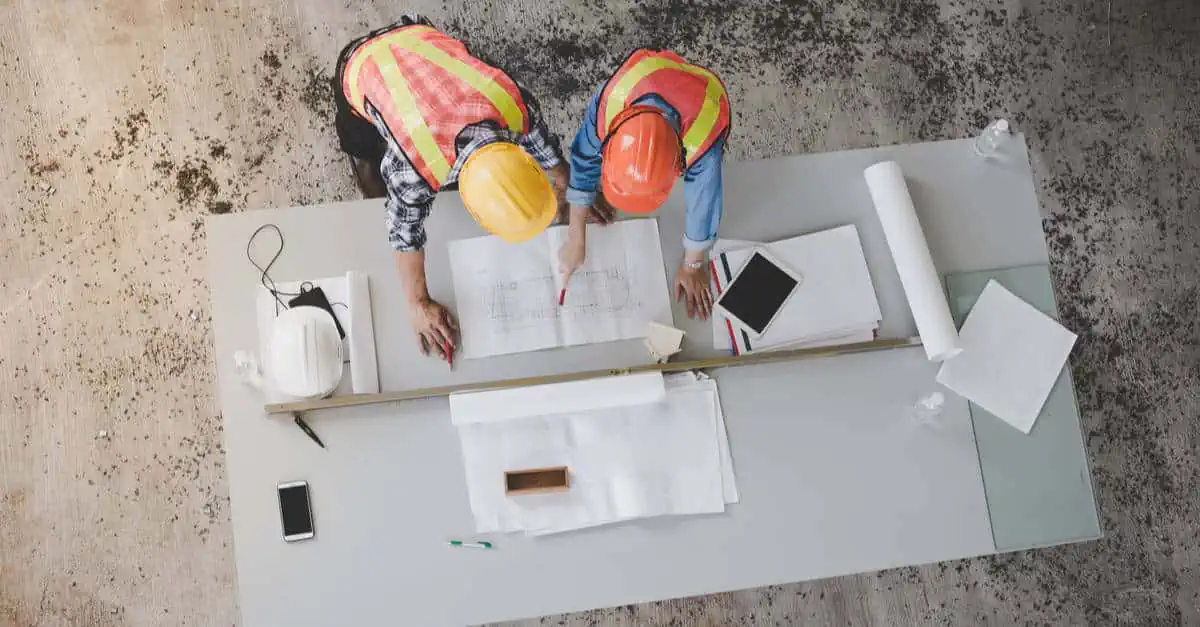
x: 758, y: 293
x: 295, y: 511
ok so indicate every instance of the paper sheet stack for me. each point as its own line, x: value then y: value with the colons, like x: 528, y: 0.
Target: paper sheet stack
x: 635, y: 446
x: 834, y: 304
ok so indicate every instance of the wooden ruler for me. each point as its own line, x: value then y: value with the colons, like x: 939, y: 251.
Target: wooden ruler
x: 353, y: 400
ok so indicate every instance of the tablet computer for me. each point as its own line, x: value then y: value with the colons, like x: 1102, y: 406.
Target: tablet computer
x: 758, y: 293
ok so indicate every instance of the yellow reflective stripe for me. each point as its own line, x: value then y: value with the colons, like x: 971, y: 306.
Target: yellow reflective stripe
x: 354, y: 69
x: 705, y: 119
x: 406, y: 105
x: 499, y: 97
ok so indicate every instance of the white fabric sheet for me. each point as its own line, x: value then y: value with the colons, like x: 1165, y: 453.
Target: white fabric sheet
x: 557, y: 398
x: 914, y: 264
x: 625, y: 462
x: 701, y: 381
x: 670, y: 457
x: 1011, y: 356
x: 675, y: 383
x: 507, y: 295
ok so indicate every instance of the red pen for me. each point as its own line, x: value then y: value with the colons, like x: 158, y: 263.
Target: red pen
x: 562, y: 297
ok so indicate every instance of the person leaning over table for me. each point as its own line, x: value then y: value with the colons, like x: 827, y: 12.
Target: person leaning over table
x: 417, y: 113
x: 656, y: 117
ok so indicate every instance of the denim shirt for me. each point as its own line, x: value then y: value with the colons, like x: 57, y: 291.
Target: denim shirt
x: 701, y: 182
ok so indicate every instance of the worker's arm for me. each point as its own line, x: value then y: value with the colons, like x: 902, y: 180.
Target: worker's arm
x: 586, y: 160
x: 702, y: 195
x: 408, y: 204
x: 434, y: 325
x: 582, y: 196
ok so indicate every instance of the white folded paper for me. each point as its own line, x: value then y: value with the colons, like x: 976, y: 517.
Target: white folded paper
x: 667, y: 457
x: 557, y: 398
x: 1012, y: 355
x: 701, y: 381
x: 662, y: 341
x: 675, y: 383
x: 914, y: 264
x: 364, y: 366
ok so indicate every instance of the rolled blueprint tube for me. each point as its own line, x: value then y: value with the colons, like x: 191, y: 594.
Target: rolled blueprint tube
x: 919, y: 277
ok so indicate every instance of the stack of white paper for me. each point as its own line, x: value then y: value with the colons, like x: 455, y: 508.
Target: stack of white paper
x: 628, y: 457
x: 834, y: 304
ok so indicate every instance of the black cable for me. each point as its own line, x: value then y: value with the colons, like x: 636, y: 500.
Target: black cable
x: 265, y: 278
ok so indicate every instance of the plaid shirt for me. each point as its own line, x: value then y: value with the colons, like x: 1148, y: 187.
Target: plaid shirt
x: 410, y: 198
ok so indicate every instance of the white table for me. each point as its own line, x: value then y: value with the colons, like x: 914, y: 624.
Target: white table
x: 834, y: 479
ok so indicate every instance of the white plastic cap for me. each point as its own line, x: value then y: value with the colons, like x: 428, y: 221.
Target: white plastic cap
x: 306, y: 353
x: 1002, y: 126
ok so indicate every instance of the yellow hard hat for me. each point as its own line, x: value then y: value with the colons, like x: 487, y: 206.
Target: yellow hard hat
x: 506, y: 192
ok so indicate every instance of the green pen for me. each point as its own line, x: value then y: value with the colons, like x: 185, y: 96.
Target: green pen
x: 471, y: 545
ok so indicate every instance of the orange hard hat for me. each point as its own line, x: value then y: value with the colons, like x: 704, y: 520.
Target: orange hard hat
x: 642, y: 157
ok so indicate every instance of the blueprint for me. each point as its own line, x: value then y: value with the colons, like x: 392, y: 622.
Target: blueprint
x: 507, y: 295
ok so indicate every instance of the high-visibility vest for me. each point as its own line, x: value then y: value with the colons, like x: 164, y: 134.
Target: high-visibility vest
x: 428, y: 88
x: 695, y: 93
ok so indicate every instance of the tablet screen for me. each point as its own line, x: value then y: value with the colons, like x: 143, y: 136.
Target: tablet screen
x: 759, y: 290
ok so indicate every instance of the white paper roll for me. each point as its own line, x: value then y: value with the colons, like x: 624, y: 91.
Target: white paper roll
x: 913, y: 262
x: 364, y: 368
x: 550, y: 399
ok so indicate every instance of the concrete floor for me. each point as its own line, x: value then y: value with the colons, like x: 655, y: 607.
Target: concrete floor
x: 128, y: 120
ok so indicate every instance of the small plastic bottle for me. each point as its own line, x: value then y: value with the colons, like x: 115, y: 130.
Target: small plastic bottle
x: 246, y: 367
x: 993, y: 138
x: 927, y: 410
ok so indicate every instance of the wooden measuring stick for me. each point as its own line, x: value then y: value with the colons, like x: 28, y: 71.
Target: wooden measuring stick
x: 353, y: 400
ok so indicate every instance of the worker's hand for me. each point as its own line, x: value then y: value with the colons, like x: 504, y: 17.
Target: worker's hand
x: 571, y: 256
x: 560, y: 177
x: 601, y: 212
x: 692, y: 287
x: 435, y: 327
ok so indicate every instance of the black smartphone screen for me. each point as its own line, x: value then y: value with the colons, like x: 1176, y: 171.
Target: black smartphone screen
x: 757, y: 292
x: 294, y: 508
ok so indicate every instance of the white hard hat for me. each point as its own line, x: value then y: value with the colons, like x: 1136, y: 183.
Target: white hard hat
x: 306, y: 353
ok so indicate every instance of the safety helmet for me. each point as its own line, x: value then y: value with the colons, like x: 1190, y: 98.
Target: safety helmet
x: 305, y: 353
x: 506, y: 192
x: 642, y: 157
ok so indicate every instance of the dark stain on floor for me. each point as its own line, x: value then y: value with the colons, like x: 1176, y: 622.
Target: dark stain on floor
x: 193, y: 182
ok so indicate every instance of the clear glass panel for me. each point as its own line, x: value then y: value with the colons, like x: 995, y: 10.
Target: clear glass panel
x: 1038, y: 486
